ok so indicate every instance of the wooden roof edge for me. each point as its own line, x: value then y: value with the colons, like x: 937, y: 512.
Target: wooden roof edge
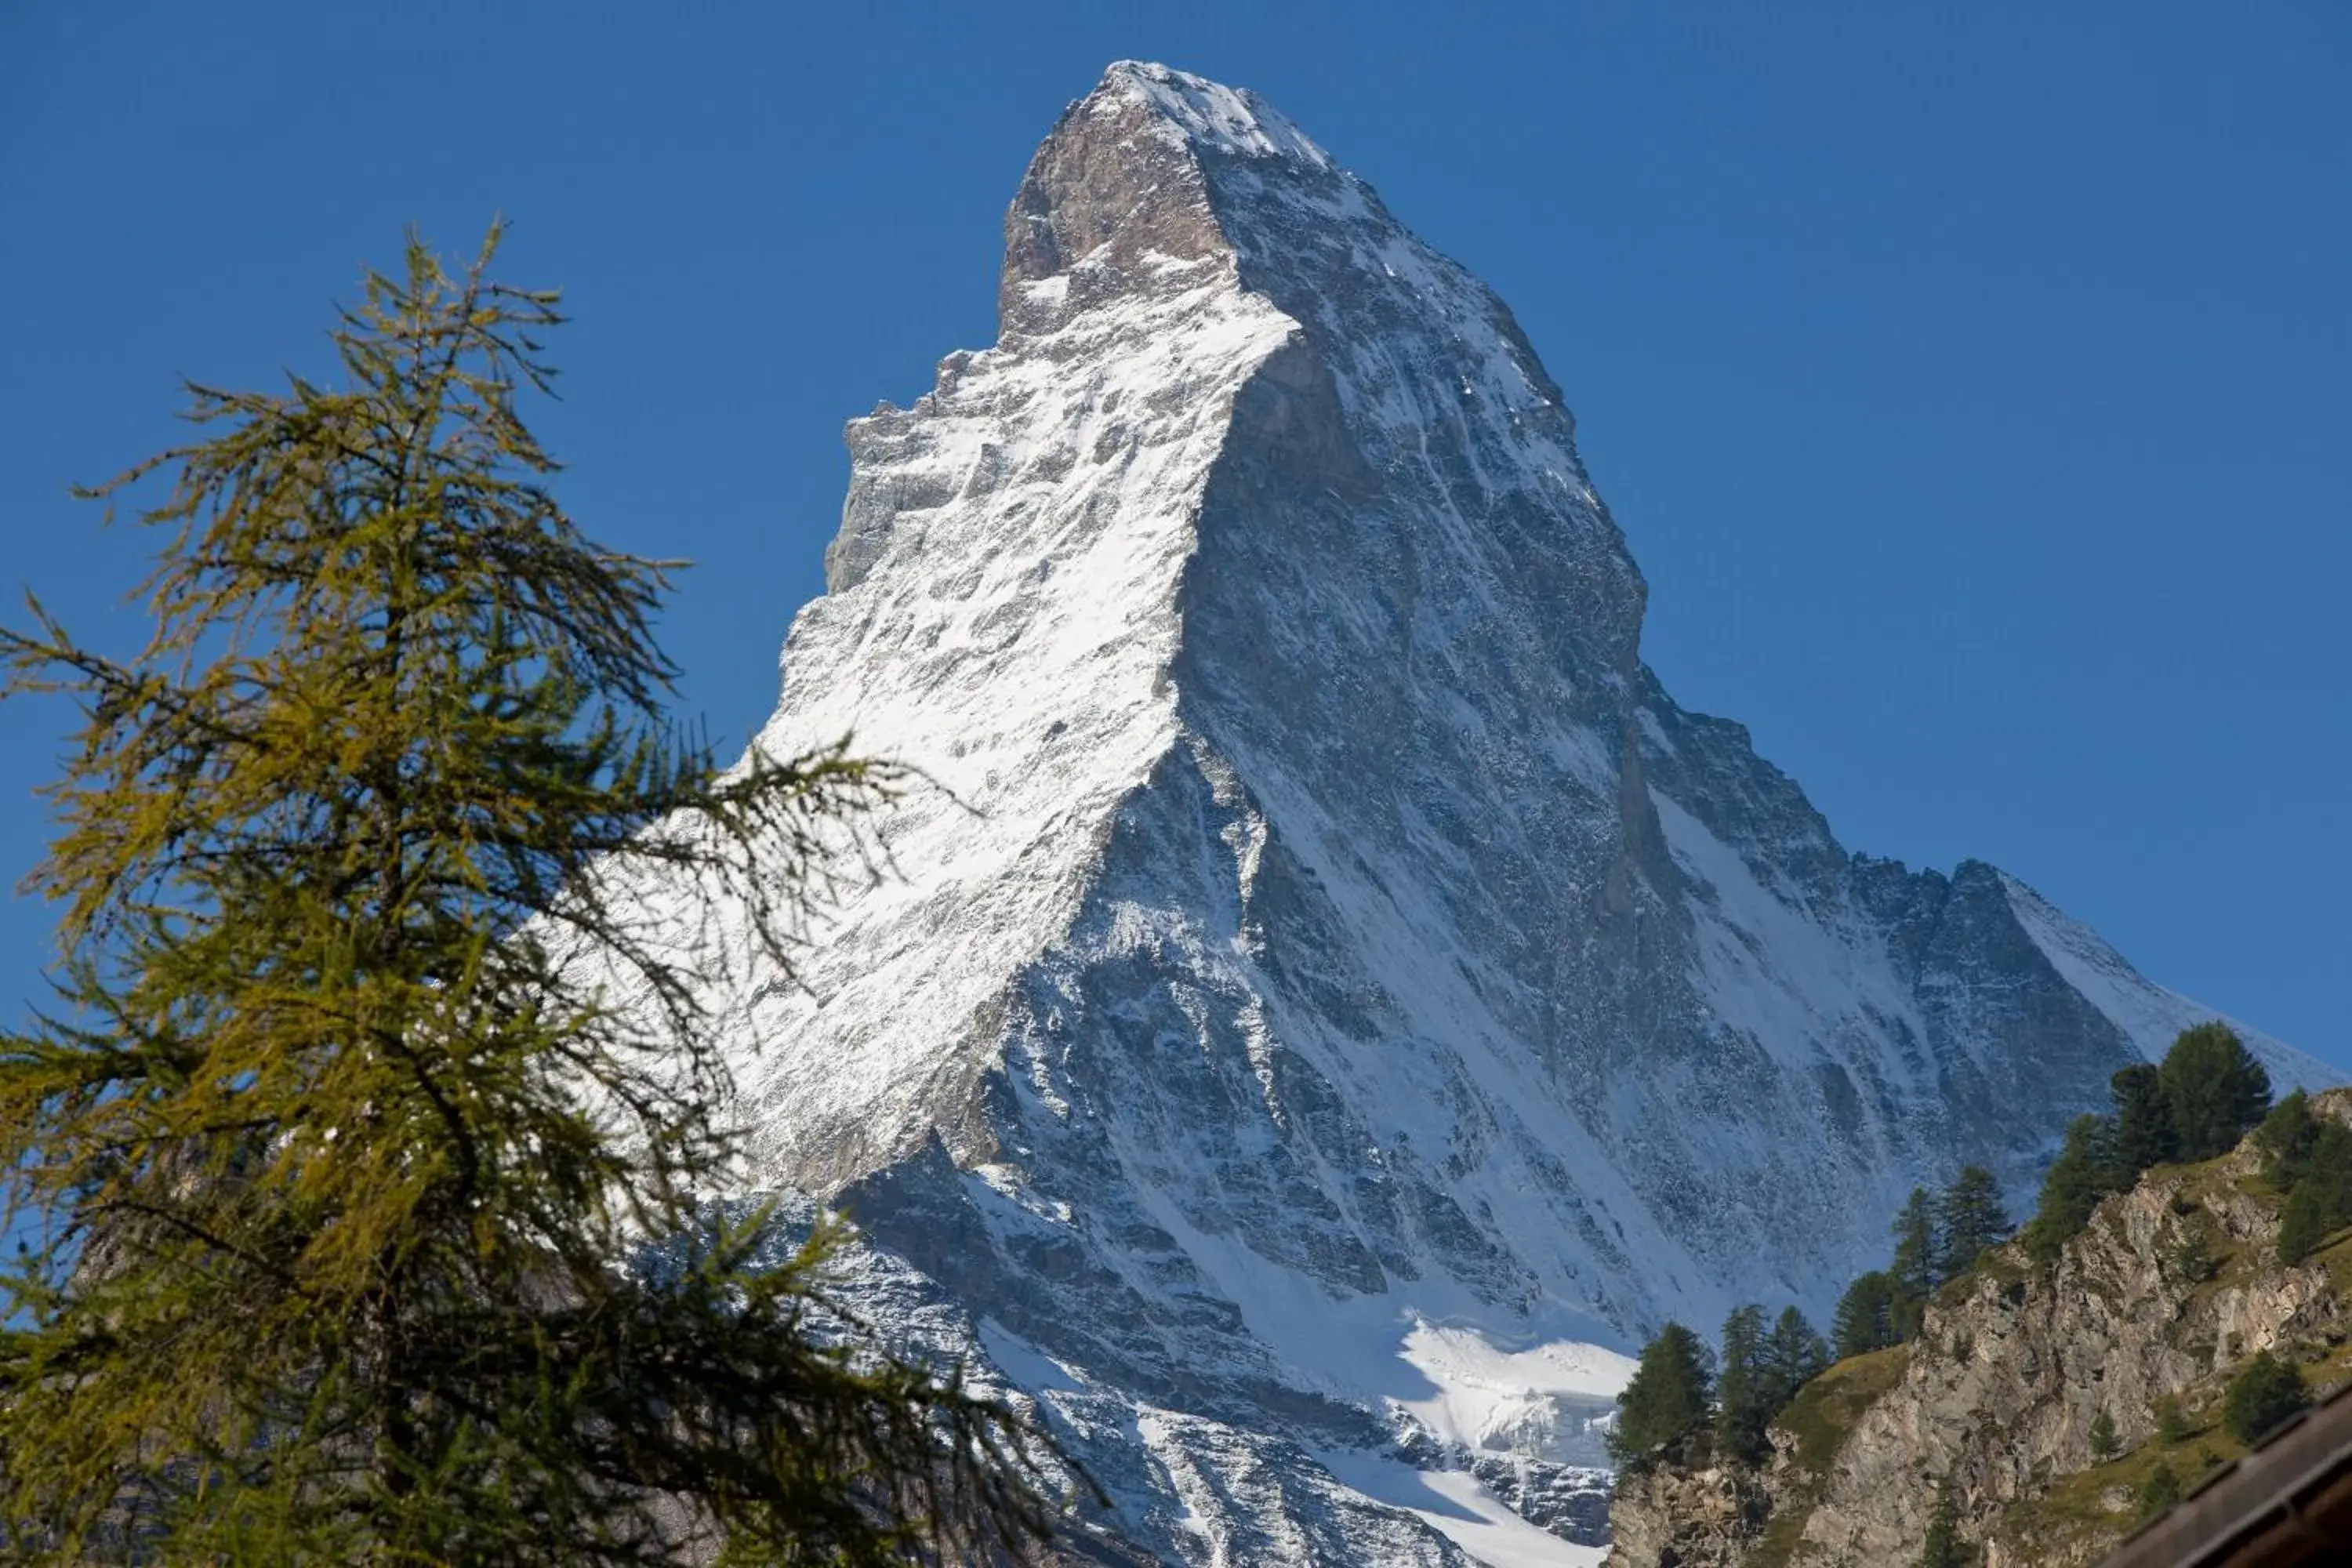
x: 2287, y: 1501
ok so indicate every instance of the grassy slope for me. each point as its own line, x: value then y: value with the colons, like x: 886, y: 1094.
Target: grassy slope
x: 1820, y: 1418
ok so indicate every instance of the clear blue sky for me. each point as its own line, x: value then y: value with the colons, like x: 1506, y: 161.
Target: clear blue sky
x: 1975, y: 385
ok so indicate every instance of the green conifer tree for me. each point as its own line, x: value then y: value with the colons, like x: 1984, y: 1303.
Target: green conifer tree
x: 2159, y: 1491
x: 2214, y: 1091
x: 2171, y: 1424
x: 2077, y: 1181
x: 1865, y: 1319
x: 2319, y: 1202
x: 1665, y: 1400
x: 1742, y: 1388
x: 1794, y: 1356
x: 370, y: 1218
x: 2303, y: 1221
x: 2265, y: 1391
x: 1914, y: 1268
x: 2286, y: 1137
x: 2330, y: 1161
x: 2192, y: 1257
x: 1860, y: 1322
x: 2143, y: 1135
x: 1970, y: 1220
x: 1944, y: 1548
x: 2104, y: 1446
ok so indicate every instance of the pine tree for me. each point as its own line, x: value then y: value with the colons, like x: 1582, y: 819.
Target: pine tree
x: 2144, y: 1137
x: 2159, y: 1491
x: 2319, y: 1201
x: 1969, y: 1219
x: 2303, y: 1221
x: 369, y: 1219
x: 1943, y: 1547
x: 1794, y: 1356
x: 2104, y: 1446
x: 1913, y: 1269
x: 2286, y: 1139
x: 2077, y: 1181
x: 1865, y: 1319
x: 2265, y: 1391
x: 2214, y: 1091
x: 2171, y: 1426
x: 1666, y: 1399
x: 2192, y: 1257
x: 2330, y: 1162
x: 1742, y: 1394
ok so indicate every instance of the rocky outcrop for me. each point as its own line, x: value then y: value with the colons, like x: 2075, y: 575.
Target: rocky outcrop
x: 1688, y: 1514
x: 2166, y: 1294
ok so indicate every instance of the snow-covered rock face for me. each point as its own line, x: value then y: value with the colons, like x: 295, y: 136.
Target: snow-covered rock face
x: 1335, y: 1000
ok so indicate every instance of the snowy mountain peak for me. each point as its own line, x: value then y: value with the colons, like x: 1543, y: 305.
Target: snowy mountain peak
x: 1206, y: 114
x: 1336, y: 999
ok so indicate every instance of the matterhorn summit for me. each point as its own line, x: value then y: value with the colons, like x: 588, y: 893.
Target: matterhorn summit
x: 1331, y: 1002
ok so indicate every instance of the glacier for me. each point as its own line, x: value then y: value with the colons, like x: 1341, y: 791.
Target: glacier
x: 1328, y: 1004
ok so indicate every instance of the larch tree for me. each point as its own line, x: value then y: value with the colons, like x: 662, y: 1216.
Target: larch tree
x: 2286, y: 1139
x: 2215, y: 1092
x: 1865, y: 1316
x: 2307, y: 1157
x: 1794, y: 1356
x: 2143, y: 1126
x: 2263, y: 1395
x: 1944, y: 1546
x: 1914, y: 1270
x: 2086, y: 1171
x: 1666, y: 1400
x: 1743, y: 1391
x: 367, y: 1142
x: 2320, y: 1202
x: 2302, y: 1221
x: 1969, y: 1220
x: 2158, y: 1492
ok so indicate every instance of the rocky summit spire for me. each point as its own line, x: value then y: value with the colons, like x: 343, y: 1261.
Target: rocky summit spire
x: 1336, y: 1001
x: 1117, y: 191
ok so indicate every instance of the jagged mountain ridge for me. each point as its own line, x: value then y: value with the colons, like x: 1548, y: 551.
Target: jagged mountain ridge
x: 1337, y: 992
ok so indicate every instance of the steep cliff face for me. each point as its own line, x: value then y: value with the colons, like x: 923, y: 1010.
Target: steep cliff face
x: 1334, y: 1001
x: 2170, y: 1290
x: 1688, y: 1514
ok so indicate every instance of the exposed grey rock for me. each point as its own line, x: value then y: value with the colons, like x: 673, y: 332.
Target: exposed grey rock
x: 1688, y: 1516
